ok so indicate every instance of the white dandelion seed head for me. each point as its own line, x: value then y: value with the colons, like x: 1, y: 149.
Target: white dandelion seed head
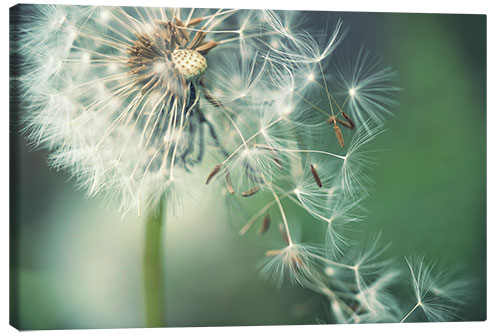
x: 115, y: 93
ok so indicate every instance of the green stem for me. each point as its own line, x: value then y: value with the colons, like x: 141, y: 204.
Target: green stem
x: 153, y: 274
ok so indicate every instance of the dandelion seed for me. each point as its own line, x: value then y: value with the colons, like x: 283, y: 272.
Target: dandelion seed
x: 369, y: 86
x: 440, y: 300
x: 265, y: 225
x: 357, y: 160
x: 316, y: 177
x: 338, y: 134
x: 229, y: 184
x: 251, y: 191
x: 349, y: 120
x: 212, y: 174
x: 332, y: 119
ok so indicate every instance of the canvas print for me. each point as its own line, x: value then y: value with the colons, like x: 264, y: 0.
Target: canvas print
x: 227, y: 167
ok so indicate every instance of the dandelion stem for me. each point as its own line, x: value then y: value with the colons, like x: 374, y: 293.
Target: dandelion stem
x: 153, y: 273
x: 411, y: 311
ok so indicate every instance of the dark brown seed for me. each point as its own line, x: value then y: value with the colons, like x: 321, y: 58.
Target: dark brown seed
x: 316, y: 176
x: 344, y: 123
x: 338, y: 133
x: 265, y: 225
x: 349, y: 120
x: 251, y: 191
x: 213, y: 173
x: 229, y: 184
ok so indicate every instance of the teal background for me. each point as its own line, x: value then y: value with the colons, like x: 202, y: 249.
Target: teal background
x: 77, y: 264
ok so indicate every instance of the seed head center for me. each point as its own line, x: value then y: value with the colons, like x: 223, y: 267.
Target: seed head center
x: 190, y: 63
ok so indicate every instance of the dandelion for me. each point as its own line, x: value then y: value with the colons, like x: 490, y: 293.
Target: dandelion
x: 143, y: 106
x: 120, y: 97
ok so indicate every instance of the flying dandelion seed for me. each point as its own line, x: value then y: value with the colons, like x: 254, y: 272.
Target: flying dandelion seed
x: 131, y: 101
x: 439, y: 299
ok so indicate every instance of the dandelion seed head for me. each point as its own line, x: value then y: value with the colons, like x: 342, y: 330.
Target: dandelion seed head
x: 116, y: 93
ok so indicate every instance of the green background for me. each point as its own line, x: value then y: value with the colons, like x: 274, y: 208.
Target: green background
x: 76, y: 264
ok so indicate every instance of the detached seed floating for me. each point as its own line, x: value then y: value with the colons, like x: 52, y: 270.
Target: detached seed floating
x: 316, y: 176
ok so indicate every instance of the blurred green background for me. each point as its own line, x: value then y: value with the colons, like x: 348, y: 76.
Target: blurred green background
x: 76, y: 264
